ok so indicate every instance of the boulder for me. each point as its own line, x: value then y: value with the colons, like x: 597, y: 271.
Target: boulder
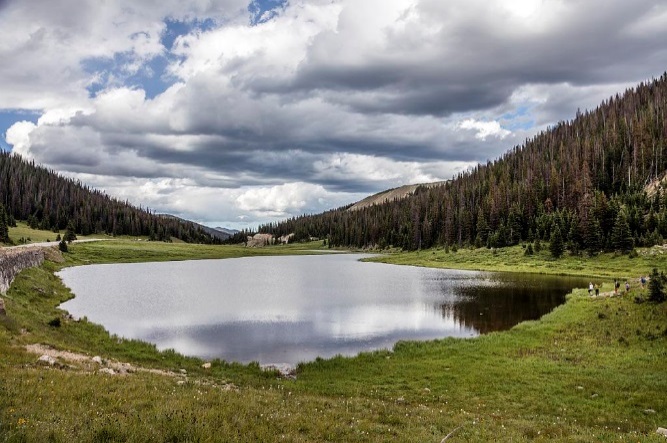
x: 97, y: 359
x: 2, y: 307
x: 206, y: 365
x: 662, y: 431
x: 46, y: 360
x: 108, y: 371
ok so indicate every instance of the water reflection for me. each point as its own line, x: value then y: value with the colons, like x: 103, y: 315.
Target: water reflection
x: 291, y: 309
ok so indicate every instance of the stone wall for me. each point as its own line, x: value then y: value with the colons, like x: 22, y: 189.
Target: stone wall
x: 14, y: 260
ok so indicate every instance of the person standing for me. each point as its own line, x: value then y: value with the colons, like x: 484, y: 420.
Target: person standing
x: 590, y: 288
x: 597, y: 289
x: 627, y: 287
x: 617, y: 285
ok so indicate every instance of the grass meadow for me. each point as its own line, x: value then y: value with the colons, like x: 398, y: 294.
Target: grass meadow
x: 591, y: 370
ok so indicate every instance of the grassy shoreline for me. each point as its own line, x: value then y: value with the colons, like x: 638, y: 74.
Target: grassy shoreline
x: 592, y: 370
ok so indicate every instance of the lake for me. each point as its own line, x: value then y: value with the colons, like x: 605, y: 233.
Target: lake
x: 288, y: 309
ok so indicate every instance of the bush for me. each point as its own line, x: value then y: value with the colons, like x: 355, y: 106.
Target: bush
x: 529, y: 250
x: 656, y: 286
x: 62, y: 246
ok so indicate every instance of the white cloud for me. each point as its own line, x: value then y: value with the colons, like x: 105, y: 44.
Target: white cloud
x: 18, y: 135
x: 485, y: 129
x: 323, y: 102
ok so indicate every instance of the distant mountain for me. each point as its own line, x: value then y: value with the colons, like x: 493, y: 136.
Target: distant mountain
x: 596, y: 182
x: 227, y: 231
x: 217, y: 233
x: 46, y: 200
x: 391, y: 195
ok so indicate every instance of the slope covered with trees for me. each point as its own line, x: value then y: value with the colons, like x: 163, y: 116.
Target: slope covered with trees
x: 49, y: 201
x: 582, y: 181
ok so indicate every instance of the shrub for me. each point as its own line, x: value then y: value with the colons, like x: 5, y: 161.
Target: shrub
x: 656, y: 286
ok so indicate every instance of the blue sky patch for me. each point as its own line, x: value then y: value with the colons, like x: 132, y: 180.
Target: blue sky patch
x: 264, y: 10
x: 520, y: 119
x: 10, y: 116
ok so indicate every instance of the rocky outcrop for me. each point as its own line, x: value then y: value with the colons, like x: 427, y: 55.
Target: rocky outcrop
x: 13, y: 261
x: 259, y: 240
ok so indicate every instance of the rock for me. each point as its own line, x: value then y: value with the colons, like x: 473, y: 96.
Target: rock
x: 97, y: 359
x: 46, y: 360
x: 183, y: 371
x: 594, y: 396
x: 206, y: 365
x: 180, y: 382
x: 649, y: 411
x: 580, y: 388
x: 661, y: 431
x: 285, y: 370
x: 2, y: 307
x: 13, y: 261
x: 108, y: 371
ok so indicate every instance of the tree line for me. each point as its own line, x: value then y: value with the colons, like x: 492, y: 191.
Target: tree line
x: 582, y: 183
x: 49, y: 201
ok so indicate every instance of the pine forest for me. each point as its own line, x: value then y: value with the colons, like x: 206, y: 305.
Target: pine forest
x: 585, y: 185
x: 51, y: 202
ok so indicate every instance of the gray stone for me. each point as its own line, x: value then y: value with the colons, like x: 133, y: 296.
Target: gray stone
x: 662, y: 431
x: 97, y: 359
x: 46, y: 360
x: 206, y: 365
x: 108, y: 371
x: 183, y: 371
x: 13, y: 261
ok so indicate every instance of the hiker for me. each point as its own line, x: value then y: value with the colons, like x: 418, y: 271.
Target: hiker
x: 643, y: 280
x: 627, y: 287
x: 617, y: 285
x: 590, y: 288
x: 597, y: 289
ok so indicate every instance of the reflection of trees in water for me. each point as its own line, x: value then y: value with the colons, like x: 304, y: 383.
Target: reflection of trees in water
x: 498, y: 307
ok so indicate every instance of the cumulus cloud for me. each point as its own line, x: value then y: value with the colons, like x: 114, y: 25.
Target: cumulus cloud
x: 273, y: 113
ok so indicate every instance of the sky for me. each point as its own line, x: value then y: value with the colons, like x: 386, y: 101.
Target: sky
x: 234, y: 113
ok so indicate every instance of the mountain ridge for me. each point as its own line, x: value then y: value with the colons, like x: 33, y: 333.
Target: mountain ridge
x: 582, y: 180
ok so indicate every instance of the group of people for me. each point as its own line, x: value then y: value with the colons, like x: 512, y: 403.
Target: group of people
x: 617, y: 286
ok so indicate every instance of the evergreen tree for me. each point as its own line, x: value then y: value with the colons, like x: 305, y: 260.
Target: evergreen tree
x: 656, y: 286
x: 537, y: 245
x: 556, y: 243
x: 594, y: 237
x: 621, y: 237
x: 574, y: 238
x: 69, y: 236
x: 4, y: 225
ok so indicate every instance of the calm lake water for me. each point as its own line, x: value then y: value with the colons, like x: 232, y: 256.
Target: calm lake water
x: 289, y: 309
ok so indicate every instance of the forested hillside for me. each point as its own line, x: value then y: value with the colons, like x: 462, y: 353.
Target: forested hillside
x: 49, y: 201
x: 581, y: 182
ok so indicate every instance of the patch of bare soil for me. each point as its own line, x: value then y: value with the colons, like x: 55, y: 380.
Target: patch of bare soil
x: 98, y: 365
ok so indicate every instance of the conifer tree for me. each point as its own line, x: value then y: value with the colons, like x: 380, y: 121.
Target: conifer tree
x: 69, y: 236
x: 556, y: 243
x: 4, y: 225
x: 621, y: 237
x: 656, y: 286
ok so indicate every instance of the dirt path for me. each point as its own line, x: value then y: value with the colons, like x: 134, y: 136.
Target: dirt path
x: 98, y: 365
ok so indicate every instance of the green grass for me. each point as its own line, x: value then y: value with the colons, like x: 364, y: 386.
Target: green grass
x: 512, y: 259
x: 22, y: 230
x: 592, y: 370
